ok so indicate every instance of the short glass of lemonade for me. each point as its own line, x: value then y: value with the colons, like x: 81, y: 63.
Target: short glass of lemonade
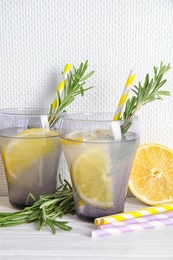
x: 31, y: 151
x: 99, y: 153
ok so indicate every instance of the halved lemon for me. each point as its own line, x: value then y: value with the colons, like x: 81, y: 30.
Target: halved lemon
x: 26, y: 148
x: 91, y: 179
x: 151, y: 179
x: 73, y: 141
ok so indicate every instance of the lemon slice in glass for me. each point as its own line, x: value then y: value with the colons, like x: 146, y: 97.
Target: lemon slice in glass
x: 90, y: 176
x: 26, y: 148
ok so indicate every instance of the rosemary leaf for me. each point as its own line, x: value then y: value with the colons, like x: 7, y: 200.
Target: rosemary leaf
x: 74, y: 86
x: 148, y: 92
x: 45, y: 210
x: 87, y: 76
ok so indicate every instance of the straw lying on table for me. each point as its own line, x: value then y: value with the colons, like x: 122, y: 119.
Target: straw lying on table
x: 134, y: 214
x: 132, y: 227
x: 149, y: 218
x: 145, y: 218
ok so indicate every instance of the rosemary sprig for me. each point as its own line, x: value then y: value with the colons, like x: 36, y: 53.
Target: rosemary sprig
x: 45, y: 210
x: 74, y: 86
x: 148, y: 92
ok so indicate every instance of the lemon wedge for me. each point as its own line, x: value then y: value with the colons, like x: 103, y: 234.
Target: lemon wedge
x: 26, y: 148
x: 90, y: 176
x: 73, y: 141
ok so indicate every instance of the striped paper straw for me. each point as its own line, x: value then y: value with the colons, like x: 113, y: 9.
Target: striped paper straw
x: 134, y: 214
x: 67, y: 69
x: 61, y: 85
x: 124, y: 95
x: 131, y: 228
x: 149, y: 218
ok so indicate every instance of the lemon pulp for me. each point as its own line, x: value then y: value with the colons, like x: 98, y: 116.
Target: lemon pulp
x: 91, y: 179
x: 26, y: 148
x: 151, y: 178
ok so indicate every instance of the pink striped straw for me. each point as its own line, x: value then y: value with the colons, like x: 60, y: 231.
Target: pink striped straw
x: 149, y: 218
x: 131, y: 228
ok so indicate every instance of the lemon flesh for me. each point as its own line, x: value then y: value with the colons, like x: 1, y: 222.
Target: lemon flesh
x: 26, y: 148
x: 151, y: 178
x: 91, y: 179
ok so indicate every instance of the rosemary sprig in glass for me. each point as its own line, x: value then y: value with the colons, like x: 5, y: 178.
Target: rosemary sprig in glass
x: 49, y: 207
x: 74, y: 86
x: 45, y: 210
x: 146, y: 93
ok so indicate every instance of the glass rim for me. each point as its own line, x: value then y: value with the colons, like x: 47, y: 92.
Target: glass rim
x: 28, y: 111
x: 70, y: 117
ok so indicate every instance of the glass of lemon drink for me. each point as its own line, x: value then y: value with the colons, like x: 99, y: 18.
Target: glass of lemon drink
x: 31, y: 151
x: 99, y: 153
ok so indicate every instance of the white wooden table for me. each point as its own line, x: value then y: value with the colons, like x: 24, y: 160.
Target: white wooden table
x: 25, y: 242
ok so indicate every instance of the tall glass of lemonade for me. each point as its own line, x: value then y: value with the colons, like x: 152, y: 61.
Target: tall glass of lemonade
x: 99, y: 153
x: 31, y: 151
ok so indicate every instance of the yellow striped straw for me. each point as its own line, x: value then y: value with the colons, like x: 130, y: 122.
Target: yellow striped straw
x: 67, y: 69
x: 134, y: 214
x: 61, y: 85
x: 124, y: 95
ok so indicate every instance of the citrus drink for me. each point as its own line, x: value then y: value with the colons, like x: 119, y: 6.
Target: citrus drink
x: 99, y: 168
x: 31, y: 159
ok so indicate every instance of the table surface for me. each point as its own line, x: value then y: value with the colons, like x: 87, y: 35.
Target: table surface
x: 25, y: 242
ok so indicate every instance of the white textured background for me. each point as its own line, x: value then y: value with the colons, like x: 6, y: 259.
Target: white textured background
x: 38, y: 37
